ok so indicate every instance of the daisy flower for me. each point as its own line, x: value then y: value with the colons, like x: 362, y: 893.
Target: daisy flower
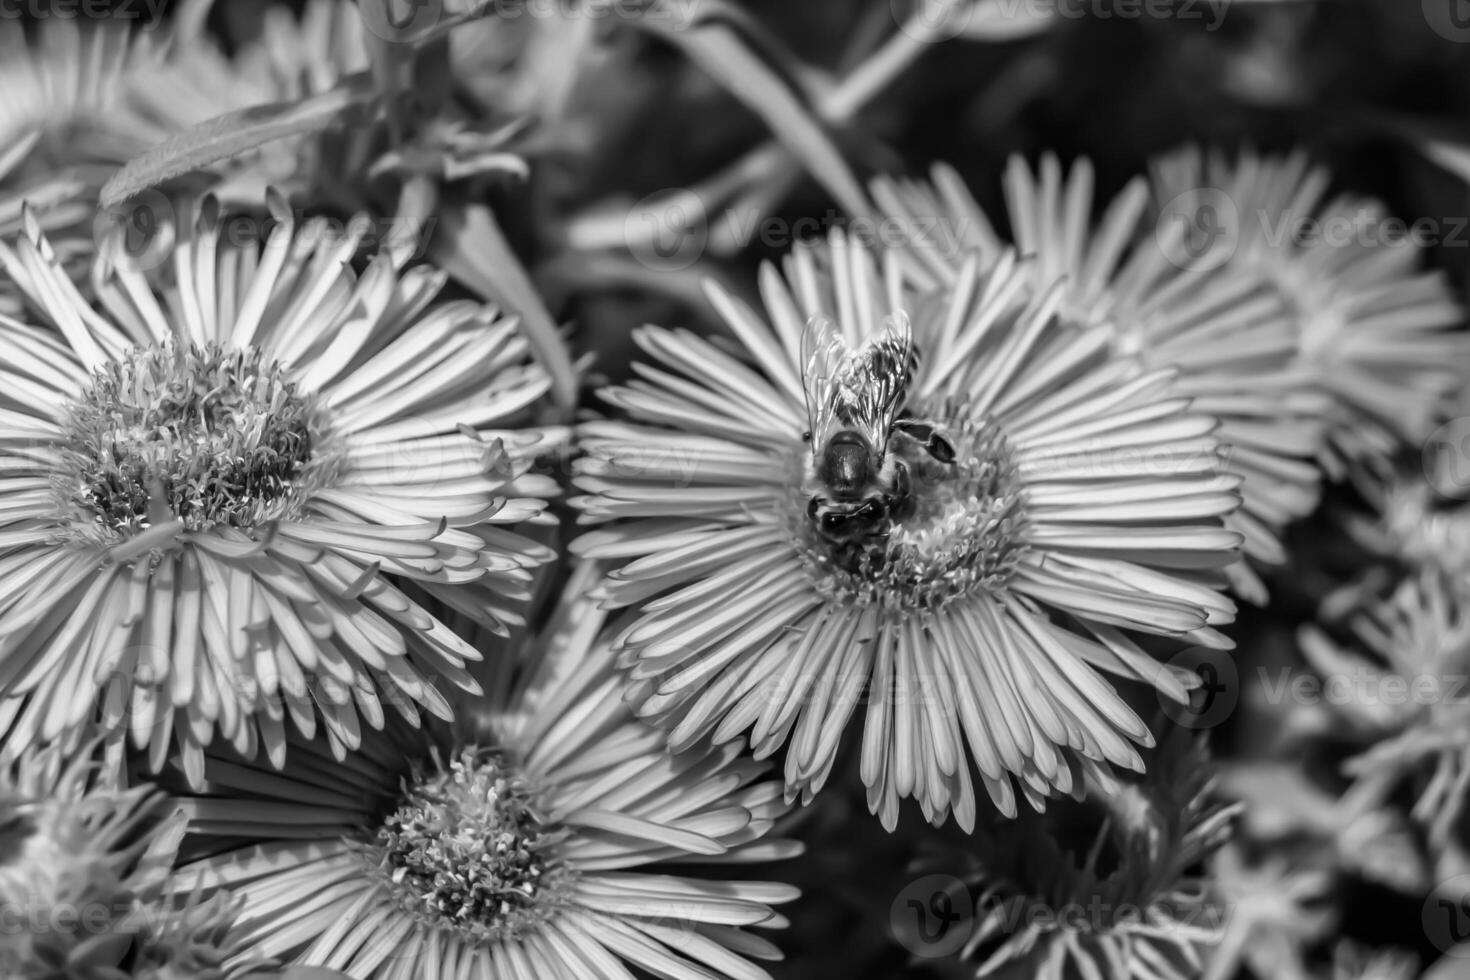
x: 230, y: 496
x: 551, y: 835
x: 59, y: 137
x: 1351, y: 962
x: 1062, y: 503
x: 1232, y: 341
x: 1284, y: 808
x: 1417, y: 528
x: 189, y: 937
x: 1277, y: 909
x: 1409, y: 701
x: 80, y: 854
x: 86, y: 888
x: 60, y: 132
x: 1129, y: 903
x: 1409, y: 530
x: 1379, y: 335
x: 294, y: 56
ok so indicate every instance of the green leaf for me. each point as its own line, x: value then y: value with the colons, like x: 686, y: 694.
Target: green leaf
x: 720, y: 52
x: 473, y: 249
x: 235, y: 133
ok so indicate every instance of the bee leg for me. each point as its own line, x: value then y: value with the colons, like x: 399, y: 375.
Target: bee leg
x: 935, y: 444
x: 940, y: 448
x: 900, y: 500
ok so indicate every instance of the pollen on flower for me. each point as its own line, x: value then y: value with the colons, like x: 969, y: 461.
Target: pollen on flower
x: 959, y: 529
x: 204, y: 435
x: 467, y: 849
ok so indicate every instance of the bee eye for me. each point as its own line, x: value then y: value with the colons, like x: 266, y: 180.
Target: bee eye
x: 811, y: 508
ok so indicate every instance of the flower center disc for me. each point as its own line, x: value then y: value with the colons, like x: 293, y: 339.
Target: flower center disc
x: 467, y: 850
x: 204, y: 435
x: 958, y: 529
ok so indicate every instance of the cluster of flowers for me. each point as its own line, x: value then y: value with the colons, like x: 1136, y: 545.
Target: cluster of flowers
x: 273, y: 689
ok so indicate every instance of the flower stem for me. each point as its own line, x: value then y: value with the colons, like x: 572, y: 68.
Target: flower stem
x: 768, y: 171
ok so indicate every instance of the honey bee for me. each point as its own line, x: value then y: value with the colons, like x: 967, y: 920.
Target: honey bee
x: 857, y: 475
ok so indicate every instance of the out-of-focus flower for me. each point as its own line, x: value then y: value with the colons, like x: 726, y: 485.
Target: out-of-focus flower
x: 59, y: 131
x: 1232, y: 341
x: 1352, y: 962
x: 1378, y: 334
x: 988, y: 604
x: 1106, y: 887
x: 1283, y: 808
x: 1275, y: 910
x: 552, y: 835
x: 228, y: 497
x: 1409, y: 703
x: 79, y: 855
x: 1408, y: 530
x: 88, y: 96
x: 293, y: 57
x: 537, y: 69
x: 186, y: 937
x: 1421, y: 531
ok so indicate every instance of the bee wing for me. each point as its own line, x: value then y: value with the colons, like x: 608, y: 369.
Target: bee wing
x: 825, y: 357
x: 879, y: 379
